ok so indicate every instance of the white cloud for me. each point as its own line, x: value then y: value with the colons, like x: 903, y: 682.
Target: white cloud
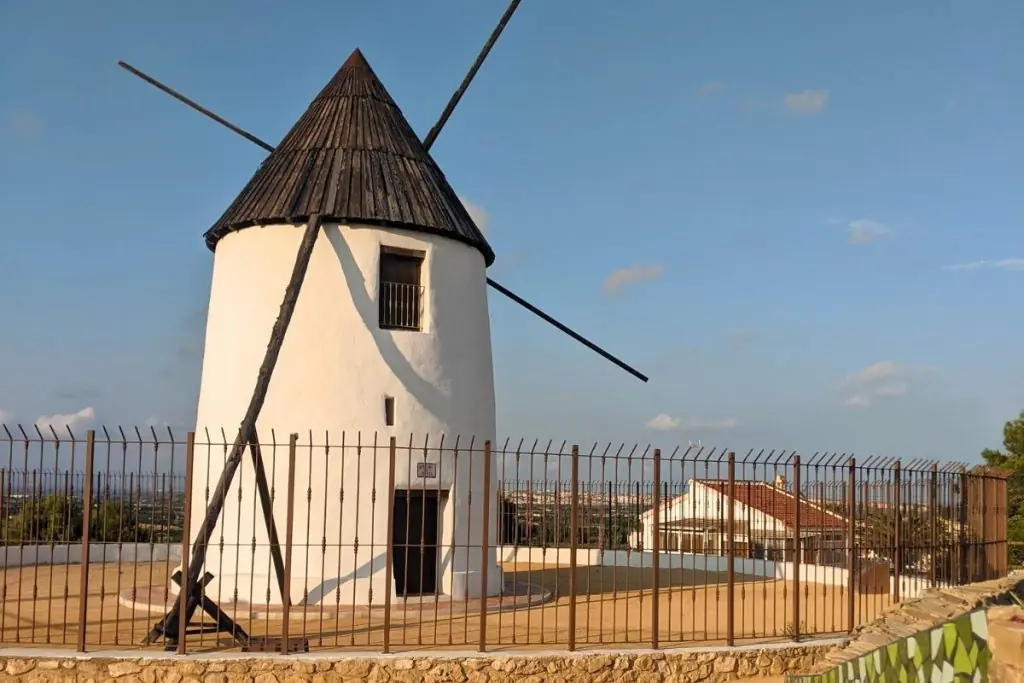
x: 477, y: 213
x: 71, y: 421
x: 1000, y: 264
x: 883, y: 379
x: 154, y: 421
x: 663, y: 423
x: 631, y: 276
x: 864, y: 231
x: 883, y: 369
x: 807, y: 101
x: 24, y: 125
x: 858, y: 401
x: 6, y: 416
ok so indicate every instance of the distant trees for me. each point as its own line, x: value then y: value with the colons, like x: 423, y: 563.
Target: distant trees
x: 605, y: 526
x: 57, y: 518
x: 924, y: 540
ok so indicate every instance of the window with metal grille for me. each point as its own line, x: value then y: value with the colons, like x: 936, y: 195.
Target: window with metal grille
x: 401, y: 294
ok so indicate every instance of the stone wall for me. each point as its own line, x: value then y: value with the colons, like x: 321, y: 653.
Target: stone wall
x: 710, y: 665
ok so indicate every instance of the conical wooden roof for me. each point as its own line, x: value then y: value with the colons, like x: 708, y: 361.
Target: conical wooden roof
x: 353, y: 158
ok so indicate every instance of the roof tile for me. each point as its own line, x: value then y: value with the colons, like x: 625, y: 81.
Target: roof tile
x: 777, y: 503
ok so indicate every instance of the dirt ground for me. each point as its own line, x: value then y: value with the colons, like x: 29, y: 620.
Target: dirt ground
x: 613, y: 608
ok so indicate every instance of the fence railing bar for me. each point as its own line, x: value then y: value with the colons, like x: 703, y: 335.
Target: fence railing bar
x: 797, y: 546
x: 851, y: 544
x: 574, y: 511
x: 83, y: 604
x: 484, y: 539
x: 730, y: 526
x: 186, y: 527
x: 289, y: 543
x: 656, y: 559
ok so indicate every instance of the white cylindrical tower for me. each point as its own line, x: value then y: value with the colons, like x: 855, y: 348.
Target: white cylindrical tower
x: 390, y: 337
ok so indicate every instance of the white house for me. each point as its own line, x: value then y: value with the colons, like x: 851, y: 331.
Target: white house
x: 764, y: 519
x: 390, y: 336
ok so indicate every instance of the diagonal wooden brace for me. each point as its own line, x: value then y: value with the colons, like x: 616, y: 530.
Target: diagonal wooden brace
x: 246, y: 436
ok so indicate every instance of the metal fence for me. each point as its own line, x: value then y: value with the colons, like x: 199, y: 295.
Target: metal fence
x: 372, y: 543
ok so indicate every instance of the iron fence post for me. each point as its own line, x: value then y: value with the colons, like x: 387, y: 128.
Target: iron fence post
x: 983, y: 480
x: 656, y: 548
x: 186, y: 532
x: 964, y: 574
x: 851, y: 543
x: 796, y: 547
x: 730, y: 571
x: 83, y: 604
x: 574, y: 511
x: 1003, y: 546
x: 389, y: 551
x: 289, y: 530
x: 484, y: 546
x: 897, y: 499
x: 933, y: 523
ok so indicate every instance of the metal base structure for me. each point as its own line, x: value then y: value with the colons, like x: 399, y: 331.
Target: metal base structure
x: 168, y: 627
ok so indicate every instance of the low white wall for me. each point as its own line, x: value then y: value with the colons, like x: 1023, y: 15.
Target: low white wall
x: 99, y: 553
x: 910, y: 587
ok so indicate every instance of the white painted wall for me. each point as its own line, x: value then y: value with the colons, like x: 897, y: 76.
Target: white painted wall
x: 702, y: 502
x: 99, y: 553
x: 332, y: 376
x: 910, y: 586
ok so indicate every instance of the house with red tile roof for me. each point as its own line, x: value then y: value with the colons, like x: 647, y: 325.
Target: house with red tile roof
x: 764, y: 522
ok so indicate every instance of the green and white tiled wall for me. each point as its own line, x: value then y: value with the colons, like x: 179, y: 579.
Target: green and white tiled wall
x: 955, y: 652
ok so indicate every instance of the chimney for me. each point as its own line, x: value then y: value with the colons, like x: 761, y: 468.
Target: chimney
x: 780, y: 482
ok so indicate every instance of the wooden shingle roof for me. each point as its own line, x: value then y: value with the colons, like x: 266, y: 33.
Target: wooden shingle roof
x: 353, y: 158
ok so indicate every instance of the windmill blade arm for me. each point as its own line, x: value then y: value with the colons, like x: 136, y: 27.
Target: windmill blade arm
x: 444, y: 117
x: 578, y: 337
x: 457, y: 95
x: 195, y: 105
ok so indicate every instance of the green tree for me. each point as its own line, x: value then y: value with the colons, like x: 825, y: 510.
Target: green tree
x: 57, y: 518
x: 1011, y: 458
x: 919, y: 548
x: 114, y: 522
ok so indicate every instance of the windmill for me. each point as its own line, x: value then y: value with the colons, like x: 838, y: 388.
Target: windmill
x: 352, y: 169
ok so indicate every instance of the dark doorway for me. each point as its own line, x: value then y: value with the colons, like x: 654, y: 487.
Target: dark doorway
x: 414, y: 542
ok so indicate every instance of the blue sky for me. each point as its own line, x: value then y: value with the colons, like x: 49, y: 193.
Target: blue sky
x: 760, y: 205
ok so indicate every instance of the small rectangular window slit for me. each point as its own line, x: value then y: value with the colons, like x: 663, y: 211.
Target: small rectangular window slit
x: 389, y: 411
